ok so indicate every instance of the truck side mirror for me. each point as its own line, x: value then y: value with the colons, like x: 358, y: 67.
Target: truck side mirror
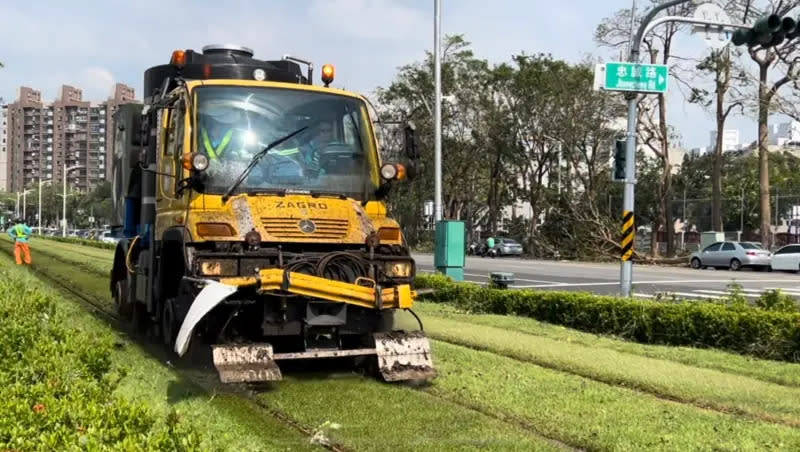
x: 410, y: 142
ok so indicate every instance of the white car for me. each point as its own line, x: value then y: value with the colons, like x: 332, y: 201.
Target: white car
x: 108, y: 237
x: 787, y: 258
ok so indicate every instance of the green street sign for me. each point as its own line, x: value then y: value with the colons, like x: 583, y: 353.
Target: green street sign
x: 648, y: 78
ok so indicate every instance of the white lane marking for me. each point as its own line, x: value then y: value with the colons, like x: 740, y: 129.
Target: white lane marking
x: 686, y: 281
x: 692, y: 295
x: 643, y: 295
x: 515, y: 279
x: 723, y: 293
x: 784, y: 289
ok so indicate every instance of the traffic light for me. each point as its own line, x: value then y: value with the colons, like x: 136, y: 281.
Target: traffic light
x: 768, y: 31
x: 619, y: 160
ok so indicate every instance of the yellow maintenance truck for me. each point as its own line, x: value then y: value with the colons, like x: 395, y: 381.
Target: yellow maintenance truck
x: 251, y: 205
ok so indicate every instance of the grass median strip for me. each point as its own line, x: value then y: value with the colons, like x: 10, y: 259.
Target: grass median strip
x: 50, y: 243
x: 594, y: 415
x: 134, y: 390
x: 663, y: 378
x: 778, y: 372
x: 420, y: 421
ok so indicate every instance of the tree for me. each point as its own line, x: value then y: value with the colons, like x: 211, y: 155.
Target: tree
x: 784, y: 59
x: 466, y: 160
x: 727, y: 79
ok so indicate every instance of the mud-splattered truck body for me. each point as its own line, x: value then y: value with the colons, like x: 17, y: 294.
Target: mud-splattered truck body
x: 251, y: 203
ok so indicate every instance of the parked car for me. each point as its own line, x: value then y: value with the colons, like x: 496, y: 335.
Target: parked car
x: 507, y: 247
x: 787, y: 258
x: 733, y: 255
x: 108, y: 237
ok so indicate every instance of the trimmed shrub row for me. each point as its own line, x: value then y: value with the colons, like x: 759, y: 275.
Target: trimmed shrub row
x: 57, y: 384
x: 742, y: 329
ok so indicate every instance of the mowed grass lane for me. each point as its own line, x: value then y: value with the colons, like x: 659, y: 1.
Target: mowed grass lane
x: 588, y: 392
x: 398, y: 417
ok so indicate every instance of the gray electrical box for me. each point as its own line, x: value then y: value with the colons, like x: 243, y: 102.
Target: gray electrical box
x: 707, y: 238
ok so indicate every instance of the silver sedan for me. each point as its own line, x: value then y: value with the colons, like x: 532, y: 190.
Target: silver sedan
x: 507, y: 247
x: 733, y: 255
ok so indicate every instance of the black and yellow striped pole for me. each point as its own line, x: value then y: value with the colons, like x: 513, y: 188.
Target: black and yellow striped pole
x: 628, y: 233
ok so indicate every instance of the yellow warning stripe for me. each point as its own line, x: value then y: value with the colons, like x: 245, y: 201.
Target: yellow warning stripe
x: 628, y: 234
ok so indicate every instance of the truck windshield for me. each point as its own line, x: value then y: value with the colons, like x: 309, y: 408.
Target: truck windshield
x: 333, y: 154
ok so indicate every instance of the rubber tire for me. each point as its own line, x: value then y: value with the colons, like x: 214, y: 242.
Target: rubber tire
x: 696, y: 264
x: 124, y: 309
x: 736, y: 265
x: 168, y: 326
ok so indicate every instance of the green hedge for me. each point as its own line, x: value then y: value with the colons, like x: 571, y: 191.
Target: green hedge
x: 742, y: 329
x: 57, y: 384
x: 84, y: 242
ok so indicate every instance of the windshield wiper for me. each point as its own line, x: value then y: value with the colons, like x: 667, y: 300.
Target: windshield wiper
x: 327, y: 194
x: 254, y: 162
x: 267, y: 191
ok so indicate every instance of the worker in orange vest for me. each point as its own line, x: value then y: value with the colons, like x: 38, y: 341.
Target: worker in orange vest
x: 21, y: 233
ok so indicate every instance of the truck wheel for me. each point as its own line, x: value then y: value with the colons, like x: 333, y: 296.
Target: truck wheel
x: 121, y: 299
x: 169, y: 326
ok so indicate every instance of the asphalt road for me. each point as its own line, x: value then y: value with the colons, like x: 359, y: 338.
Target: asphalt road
x: 648, y: 281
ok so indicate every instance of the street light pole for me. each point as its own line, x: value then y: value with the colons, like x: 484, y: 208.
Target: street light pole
x: 560, y: 144
x: 741, y: 214
x: 25, y: 203
x: 437, y: 74
x: 64, y: 198
x: 39, y: 216
x: 40, y: 201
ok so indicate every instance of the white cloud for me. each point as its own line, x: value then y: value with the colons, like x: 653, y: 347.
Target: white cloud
x: 97, y: 83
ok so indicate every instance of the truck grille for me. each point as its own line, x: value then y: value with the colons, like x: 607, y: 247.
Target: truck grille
x: 289, y: 228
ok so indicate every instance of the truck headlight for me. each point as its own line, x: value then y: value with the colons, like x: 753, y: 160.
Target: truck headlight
x: 401, y: 269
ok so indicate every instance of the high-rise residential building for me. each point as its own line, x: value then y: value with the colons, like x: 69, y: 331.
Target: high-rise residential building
x: 43, y: 139
x: 784, y: 133
x: 730, y: 140
x: 3, y: 147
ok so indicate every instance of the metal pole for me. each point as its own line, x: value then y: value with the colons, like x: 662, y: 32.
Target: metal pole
x: 24, y: 205
x: 626, y: 276
x: 39, y: 216
x: 741, y: 212
x: 633, y: 24
x: 559, y: 169
x: 437, y: 75
x: 684, y: 207
x: 626, y: 267
x: 64, y: 205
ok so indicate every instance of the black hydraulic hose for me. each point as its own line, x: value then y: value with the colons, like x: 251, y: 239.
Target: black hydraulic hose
x: 421, y: 328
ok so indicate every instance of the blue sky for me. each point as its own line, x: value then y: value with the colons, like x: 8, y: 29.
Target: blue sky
x: 93, y: 44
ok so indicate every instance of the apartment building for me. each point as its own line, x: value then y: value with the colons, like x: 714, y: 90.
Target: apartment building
x: 3, y: 148
x: 44, y: 138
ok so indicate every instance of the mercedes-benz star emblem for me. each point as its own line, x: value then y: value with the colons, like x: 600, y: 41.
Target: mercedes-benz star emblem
x: 307, y: 226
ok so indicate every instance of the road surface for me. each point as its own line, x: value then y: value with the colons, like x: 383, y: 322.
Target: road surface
x: 648, y: 281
